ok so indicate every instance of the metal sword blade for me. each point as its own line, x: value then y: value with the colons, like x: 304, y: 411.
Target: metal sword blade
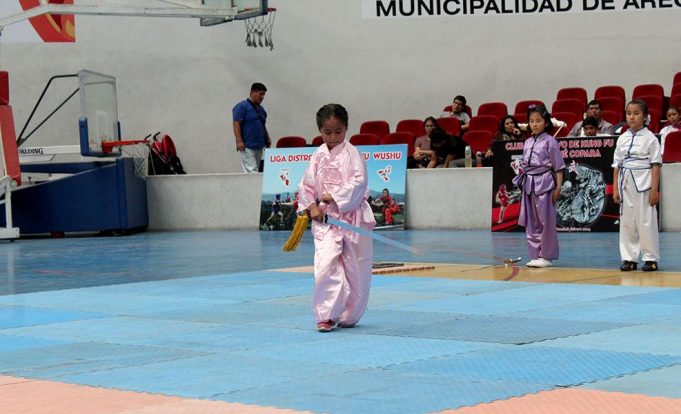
x: 372, y: 235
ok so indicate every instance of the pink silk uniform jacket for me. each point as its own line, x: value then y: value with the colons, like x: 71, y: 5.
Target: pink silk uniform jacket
x: 343, y: 259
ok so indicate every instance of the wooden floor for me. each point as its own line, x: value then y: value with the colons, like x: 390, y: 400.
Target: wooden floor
x: 521, y: 273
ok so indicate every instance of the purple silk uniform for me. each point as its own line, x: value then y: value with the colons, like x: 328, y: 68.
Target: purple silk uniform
x: 343, y: 259
x: 541, y: 159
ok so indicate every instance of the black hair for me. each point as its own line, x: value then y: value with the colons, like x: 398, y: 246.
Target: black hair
x: 641, y: 104
x: 541, y: 110
x: 460, y: 98
x: 258, y: 87
x: 332, y: 110
x: 386, y: 190
x: 431, y: 119
x: 434, y: 121
x: 502, y: 123
x: 591, y: 121
x: 594, y: 102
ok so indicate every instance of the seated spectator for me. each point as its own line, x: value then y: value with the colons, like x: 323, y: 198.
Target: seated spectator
x: 445, y: 149
x: 508, y: 130
x: 459, y: 112
x: 593, y: 110
x: 673, y: 123
x: 590, y: 126
x: 422, y: 152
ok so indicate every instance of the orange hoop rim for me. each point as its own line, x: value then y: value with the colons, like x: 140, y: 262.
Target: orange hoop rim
x: 108, y: 146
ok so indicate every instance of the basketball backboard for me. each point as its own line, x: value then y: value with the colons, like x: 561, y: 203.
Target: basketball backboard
x: 99, y: 113
x: 245, y: 9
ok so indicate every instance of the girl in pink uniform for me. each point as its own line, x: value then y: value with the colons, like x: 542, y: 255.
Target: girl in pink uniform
x: 335, y: 183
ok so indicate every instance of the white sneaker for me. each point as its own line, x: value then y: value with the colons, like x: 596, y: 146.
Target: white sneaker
x: 541, y: 262
x: 532, y: 263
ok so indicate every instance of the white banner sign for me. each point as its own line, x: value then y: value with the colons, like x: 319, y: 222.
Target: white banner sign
x: 373, y: 9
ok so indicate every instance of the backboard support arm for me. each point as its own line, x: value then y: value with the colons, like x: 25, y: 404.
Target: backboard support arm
x: 105, y: 8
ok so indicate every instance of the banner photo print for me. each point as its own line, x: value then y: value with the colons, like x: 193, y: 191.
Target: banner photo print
x: 585, y: 202
x: 284, y: 168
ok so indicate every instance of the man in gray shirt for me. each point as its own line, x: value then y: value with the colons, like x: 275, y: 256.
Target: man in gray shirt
x: 593, y: 110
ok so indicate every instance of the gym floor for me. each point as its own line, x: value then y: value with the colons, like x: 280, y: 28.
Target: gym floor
x: 220, y: 322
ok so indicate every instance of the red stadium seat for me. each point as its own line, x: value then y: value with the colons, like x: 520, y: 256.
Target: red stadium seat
x: 672, y: 147
x: 365, y: 139
x: 675, y: 100
x: 400, y: 138
x: 677, y: 78
x: 414, y: 126
x: 612, y: 117
x: 521, y: 118
x: 610, y: 91
x: 522, y: 106
x: 450, y: 125
x: 612, y: 104
x: 483, y: 123
x: 317, y: 141
x: 497, y: 109
x: 676, y: 89
x: 479, y: 140
x: 380, y: 128
x: 291, y: 142
x: 651, y: 89
x: 573, y: 93
x: 654, y: 102
x: 654, y: 122
x: 574, y: 106
x: 570, y: 120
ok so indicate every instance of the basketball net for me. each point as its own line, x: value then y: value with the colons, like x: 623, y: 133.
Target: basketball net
x: 259, y: 29
x: 138, y: 150
x: 140, y: 157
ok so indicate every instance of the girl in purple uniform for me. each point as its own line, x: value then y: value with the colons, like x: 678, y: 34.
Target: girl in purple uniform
x: 540, y: 182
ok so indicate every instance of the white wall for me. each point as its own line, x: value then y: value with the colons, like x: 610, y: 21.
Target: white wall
x: 670, y: 197
x: 178, y: 77
x: 232, y: 201
x: 449, y: 198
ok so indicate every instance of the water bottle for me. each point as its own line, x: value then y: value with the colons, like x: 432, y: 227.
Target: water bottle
x: 469, y: 158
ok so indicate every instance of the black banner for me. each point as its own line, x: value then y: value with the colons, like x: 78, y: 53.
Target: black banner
x: 585, y: 203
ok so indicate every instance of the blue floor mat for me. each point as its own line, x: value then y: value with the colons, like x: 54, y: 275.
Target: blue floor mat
x: 379, y: 391
x: 14, y: 317
x: 363, y: 351
x: 497, y: 329
x: 540, y: 365
x: 56, y: 361
x: 205, y: 376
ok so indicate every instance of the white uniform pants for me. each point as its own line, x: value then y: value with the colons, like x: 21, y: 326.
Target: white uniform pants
x: 638, y: 225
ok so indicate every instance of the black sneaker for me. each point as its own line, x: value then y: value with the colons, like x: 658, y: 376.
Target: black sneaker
x: 628, y: 266
x: 649, y: 267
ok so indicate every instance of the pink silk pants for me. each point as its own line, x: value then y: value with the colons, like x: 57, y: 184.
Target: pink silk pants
x: 342, y: 271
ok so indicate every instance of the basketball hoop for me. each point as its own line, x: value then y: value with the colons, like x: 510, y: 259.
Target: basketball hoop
x: 138, y: 150
x: 259, y: 29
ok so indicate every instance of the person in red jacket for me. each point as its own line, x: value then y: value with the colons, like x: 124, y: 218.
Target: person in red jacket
x: 388, y: 206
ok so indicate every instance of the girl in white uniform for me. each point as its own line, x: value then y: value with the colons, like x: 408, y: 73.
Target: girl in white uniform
x: 673, y: 124
x: 636, y: 183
